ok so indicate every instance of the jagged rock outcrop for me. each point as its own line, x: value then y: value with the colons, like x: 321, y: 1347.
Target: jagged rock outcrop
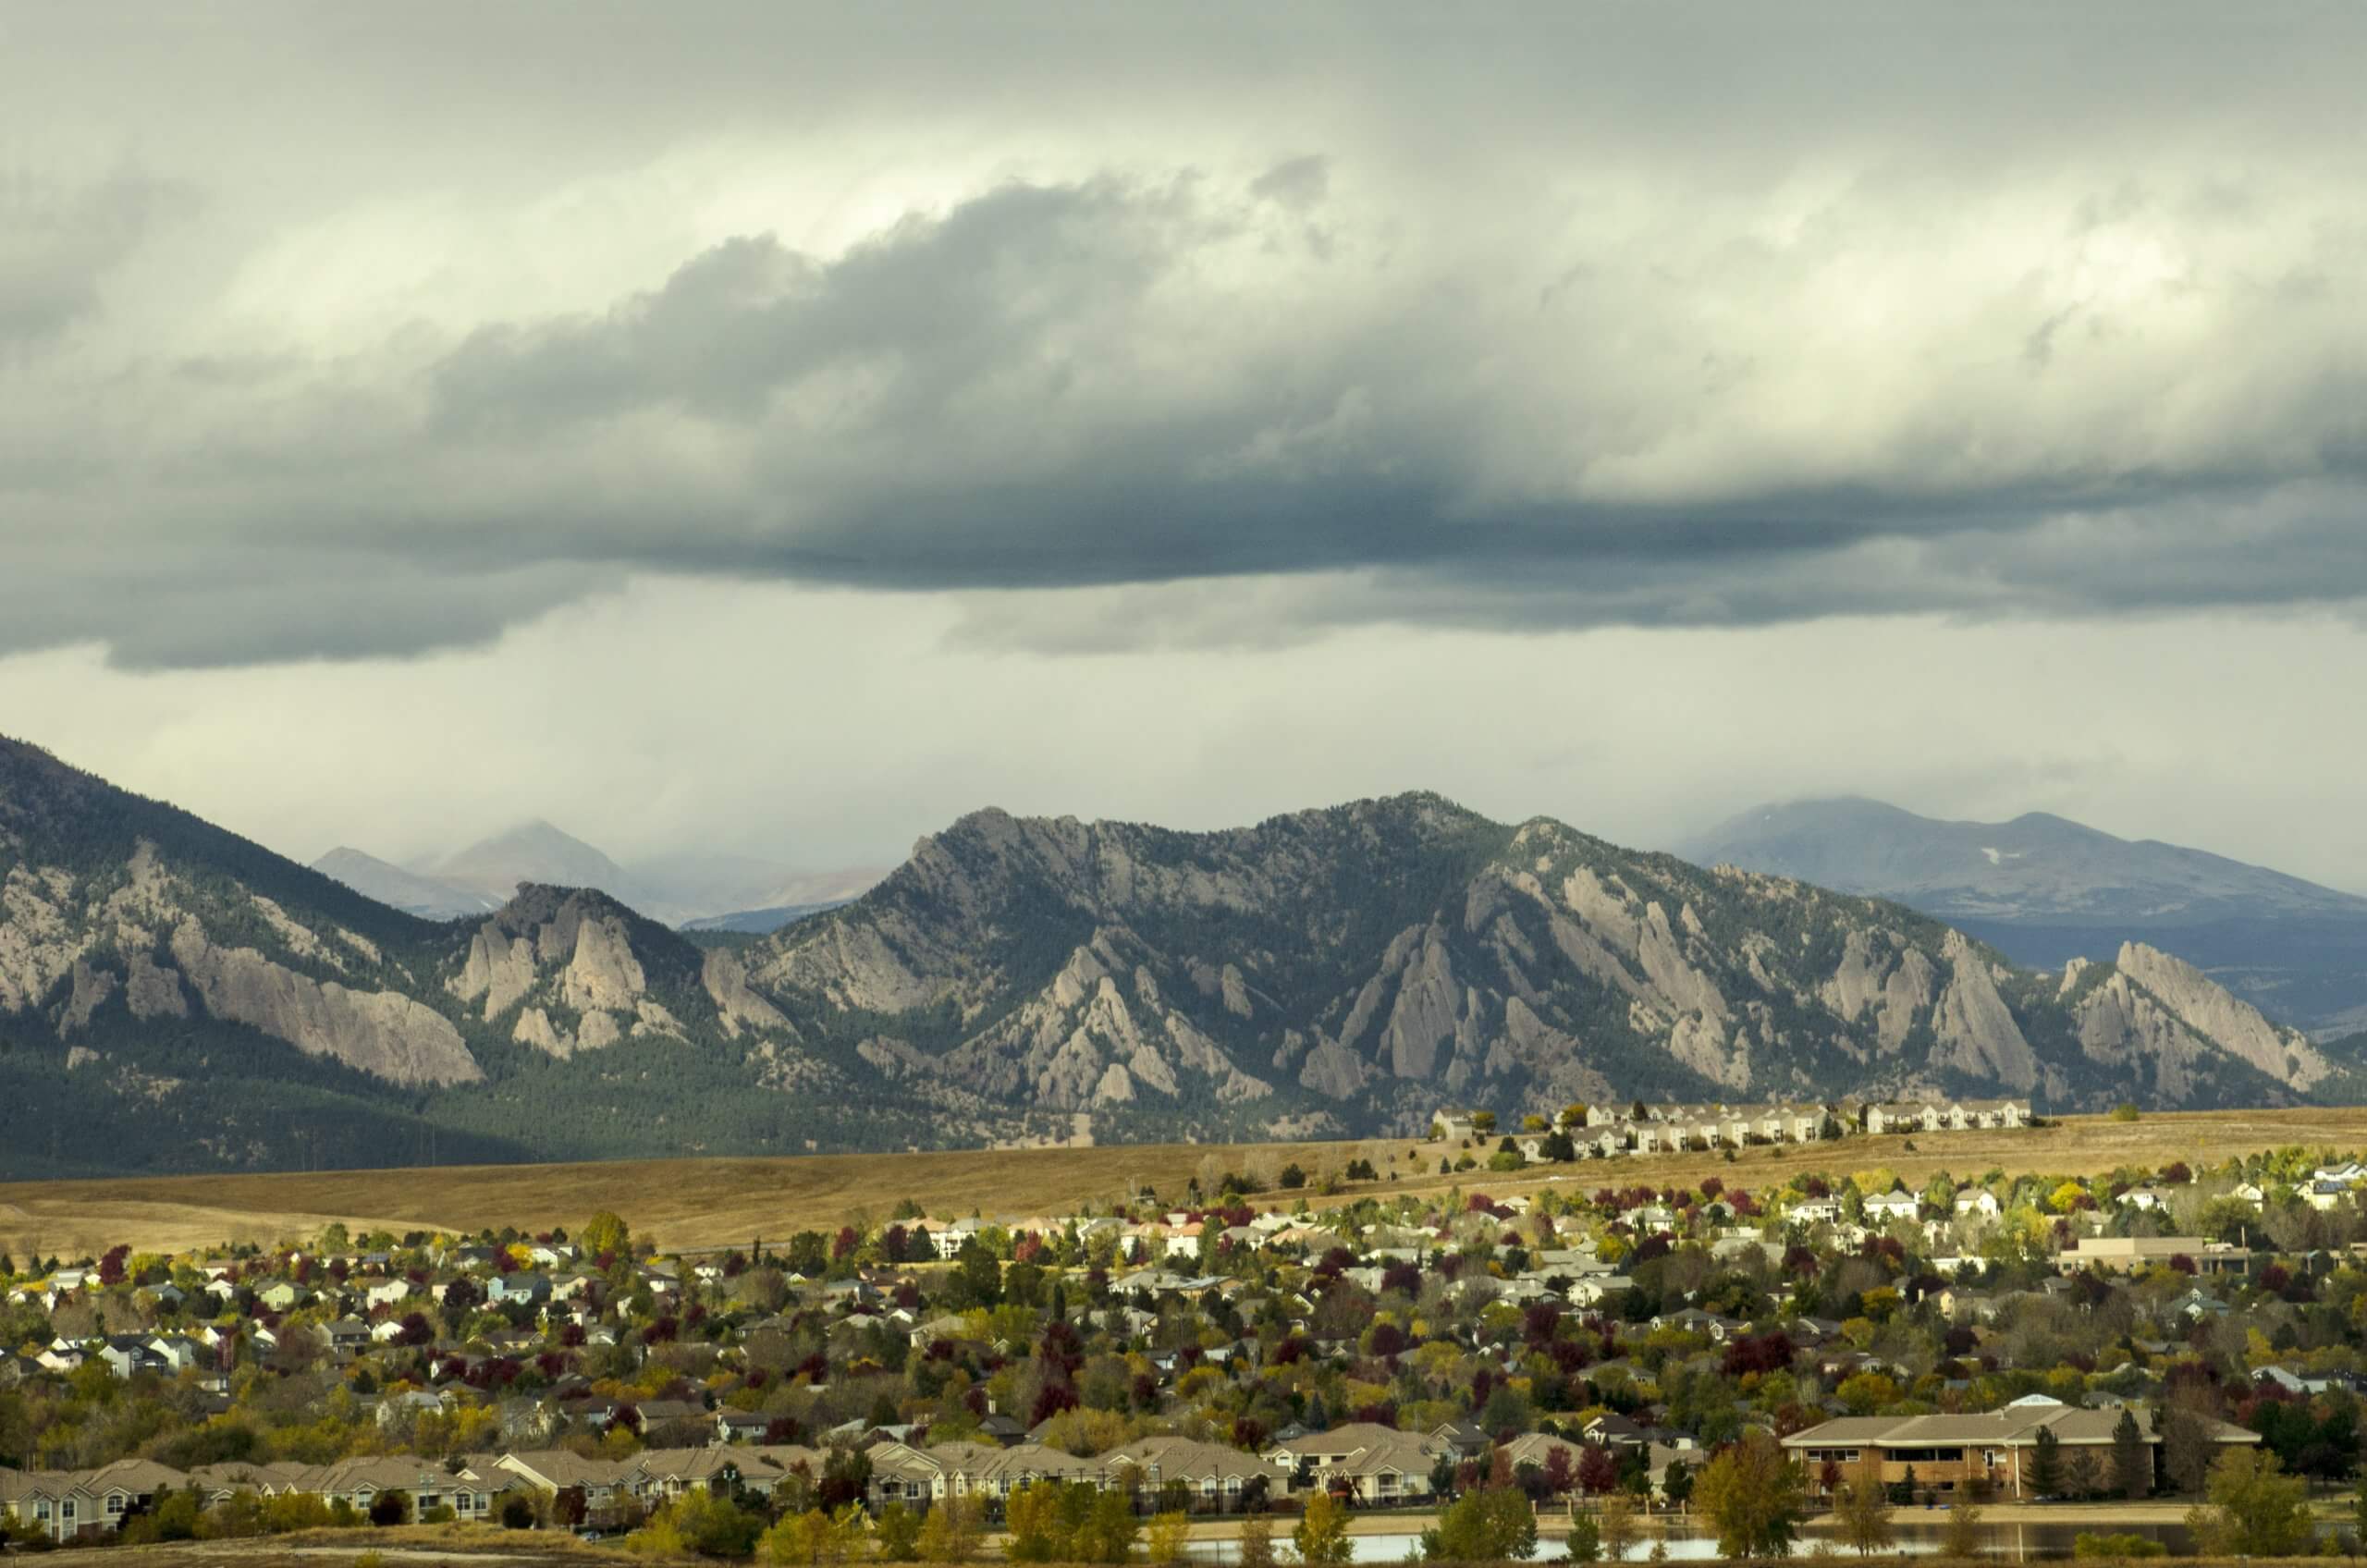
x: 726, y: 979
x: 2235, y: 1026
x: 1977, y: 1033
x: 500, y: 968
x: 1404, y: 947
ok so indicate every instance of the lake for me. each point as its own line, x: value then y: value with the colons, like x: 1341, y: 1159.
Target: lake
x: 1917, y: 1537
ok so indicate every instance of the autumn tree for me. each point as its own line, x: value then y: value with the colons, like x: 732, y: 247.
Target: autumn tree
x: 1861, y: 1507
x: 1754, y: 1496
x: 1321, y: 1535
x: 2255, y: 1509
x: 1615, y: 1525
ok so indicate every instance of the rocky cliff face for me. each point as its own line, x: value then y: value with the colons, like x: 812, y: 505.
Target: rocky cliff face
x: 1373, y: 959
x: 144, y: 937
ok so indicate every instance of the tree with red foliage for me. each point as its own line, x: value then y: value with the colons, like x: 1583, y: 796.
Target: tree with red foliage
x: 842, y: 1246
x: 1762, y: 1353
x: 2184, y: 1265
x: 2176, y: 1173
x: 1054, y: 1398
x: 1404, y: 1278
x: 1712, y: 1187
x: 1560, y: 1475
x: 1598, y: 1471
x: 1388, y: 1339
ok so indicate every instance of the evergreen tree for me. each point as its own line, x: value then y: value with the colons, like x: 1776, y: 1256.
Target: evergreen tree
x: 2132, y: 1459
x: 2046, y: 1464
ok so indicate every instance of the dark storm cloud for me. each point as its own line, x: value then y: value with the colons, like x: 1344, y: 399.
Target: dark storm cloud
x: 1638, y: 325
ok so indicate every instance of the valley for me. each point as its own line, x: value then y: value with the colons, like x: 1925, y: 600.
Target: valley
x: 726, y: 1202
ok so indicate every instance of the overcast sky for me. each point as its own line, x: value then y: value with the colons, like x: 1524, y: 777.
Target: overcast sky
x: 749, y: 427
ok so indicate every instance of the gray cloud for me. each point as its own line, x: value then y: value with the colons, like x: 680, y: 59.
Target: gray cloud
x: 1641, y: 327
x: 58, y: 241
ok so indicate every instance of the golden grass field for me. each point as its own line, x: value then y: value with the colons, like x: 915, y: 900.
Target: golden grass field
x: 707, y: 1203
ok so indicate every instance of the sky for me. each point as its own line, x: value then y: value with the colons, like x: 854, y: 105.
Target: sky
x: 781, y: 429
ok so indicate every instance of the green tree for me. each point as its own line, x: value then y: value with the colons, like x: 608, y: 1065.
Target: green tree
x: 2046, y: 1464
x: 699, y: 1524
x: 605, y: 1232
x: 1754, y: 1497
x: 2132, y: 1458
x: 977, y: 1276
x: 2255, y: 1509
x: 1676, y: 1482
x: 1585, y: 1542
x: 1492, y: 1524
x: 899, y: 1534
x: 1321, y: 1534
x: 953, y: 1531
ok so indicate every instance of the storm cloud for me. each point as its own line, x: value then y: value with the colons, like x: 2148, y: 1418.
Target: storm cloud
x: 1557, y: 318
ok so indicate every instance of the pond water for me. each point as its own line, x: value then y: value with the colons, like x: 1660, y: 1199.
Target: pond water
x: 1917, y: 1537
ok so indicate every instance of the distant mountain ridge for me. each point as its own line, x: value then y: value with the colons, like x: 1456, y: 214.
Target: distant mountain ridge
x: 713, y: 892
x: 2045, y: 890
x: 408, y: 891
x: 173, y: 997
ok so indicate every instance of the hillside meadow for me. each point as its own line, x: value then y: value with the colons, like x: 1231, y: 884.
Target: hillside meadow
x: 719, y: 1201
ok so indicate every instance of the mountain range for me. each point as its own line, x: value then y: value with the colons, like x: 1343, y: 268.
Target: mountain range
x: 175, y: 997
x: 704, y: 892
x: 2044, y: 890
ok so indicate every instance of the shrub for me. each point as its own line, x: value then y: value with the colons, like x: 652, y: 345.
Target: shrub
x: 2125, y: 1112
x: 2116, y: 1546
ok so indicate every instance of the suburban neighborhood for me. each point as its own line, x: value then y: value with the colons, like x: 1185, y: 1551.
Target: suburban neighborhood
x: 1298, y: 1350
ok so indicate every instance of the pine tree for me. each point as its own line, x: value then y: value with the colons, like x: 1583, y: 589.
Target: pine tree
x: 2046, y: 1464
x: 2132, y: 1459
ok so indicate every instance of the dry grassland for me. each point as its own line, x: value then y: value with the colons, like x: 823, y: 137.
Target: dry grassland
x: 707, y: 1202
